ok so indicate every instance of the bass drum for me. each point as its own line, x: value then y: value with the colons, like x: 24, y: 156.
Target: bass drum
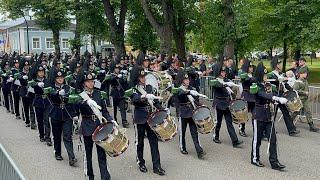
x: 294, y: 103
x: 160, y: 81
x: 109, y: 137
x: 239, y: 111
x: 163, y: 125
x: 203, y: 119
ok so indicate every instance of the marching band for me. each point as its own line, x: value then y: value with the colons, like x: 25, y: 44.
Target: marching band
x: 71, y: 94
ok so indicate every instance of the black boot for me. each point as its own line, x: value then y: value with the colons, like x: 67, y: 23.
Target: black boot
x: 313, y: 128
x: 277, y: 166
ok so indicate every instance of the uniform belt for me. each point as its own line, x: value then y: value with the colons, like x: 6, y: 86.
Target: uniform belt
x: 42, y: 96
x: 148, y: 108
x: 221, y: 97
x: 63, y: 105
x: 246, y: 90
x: 89, y: 117
x: 263, y: 105
x: 185, y: 104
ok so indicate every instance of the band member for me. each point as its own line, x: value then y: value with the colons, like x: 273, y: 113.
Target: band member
x: 222, y: 97
x: 7, y: 80
x: 90, y: 122
x: 187, y: 96
x: 41, y: 104
x: 262, y: 122
x: 119, y: 85
x: 62, y: 113
x: 302, y: 87
x: 193, y: 73
x: 15, y: 88
x: 141, y: 98
x: 26, y: 95
x: 247, y: 80
x: 280, y: 83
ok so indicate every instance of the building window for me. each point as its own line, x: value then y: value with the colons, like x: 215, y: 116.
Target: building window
x: 49, y: 43
x: 35, y: 43
x: 99, y: 43
x: 65, y: 43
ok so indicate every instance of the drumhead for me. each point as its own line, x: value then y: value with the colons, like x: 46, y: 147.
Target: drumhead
x: 201, y: 113
x: 158, y: 118
x: 238, y: 105
x: 290, y: 95
x: 152, y: 80
x: 103, y: 132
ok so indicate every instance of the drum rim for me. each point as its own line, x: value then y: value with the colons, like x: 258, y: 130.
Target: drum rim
x: 153, y: 114
x: 96, y: 131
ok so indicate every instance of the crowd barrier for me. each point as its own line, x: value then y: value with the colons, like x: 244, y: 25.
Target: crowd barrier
x: 314, y: 94
x: 8, y: 169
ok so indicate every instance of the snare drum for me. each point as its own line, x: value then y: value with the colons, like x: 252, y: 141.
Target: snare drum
x: 203, y: 119
x: 109, y: 137
x: 163, y: 125
x: 239, y: 111
x: 294, y: 103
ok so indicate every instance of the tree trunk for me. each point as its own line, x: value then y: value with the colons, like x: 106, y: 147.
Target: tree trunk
x: 77, y: 31
x: 56, y: 42
x: 285, y: 55
x: 270, y: 53
x: 179, y: 32
x: 229, y: 21
x: 297, y: 54
x: 93, y: 43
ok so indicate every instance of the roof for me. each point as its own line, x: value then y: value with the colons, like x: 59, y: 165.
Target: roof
x: 20, y: 22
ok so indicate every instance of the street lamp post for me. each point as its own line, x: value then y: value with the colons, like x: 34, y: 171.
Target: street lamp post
x: 26, y: 13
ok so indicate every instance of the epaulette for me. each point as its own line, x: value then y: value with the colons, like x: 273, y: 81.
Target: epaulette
x: 128, y: 93
x: 254, y: 88
x: 244, y: 76
x: 214, y: 83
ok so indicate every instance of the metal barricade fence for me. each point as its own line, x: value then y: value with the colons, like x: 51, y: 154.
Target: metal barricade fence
x: 314, y: 94
x: 8, y: 169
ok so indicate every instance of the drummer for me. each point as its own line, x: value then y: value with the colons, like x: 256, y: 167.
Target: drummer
x: 222, y: 97
x: 187, y: 96
x: 141, y: 98
x: 246, y: 79
x: 302, y: 87
x: 90, y: 123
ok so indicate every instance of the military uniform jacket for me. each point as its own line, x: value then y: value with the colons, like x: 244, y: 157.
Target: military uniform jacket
x: 6, y: 86
x: 61, y: 109
x: 119, y: 86
x: 221, y: 96
x: 15, y: 87
x: 194, y: 77
x: 272, y: 75
x: 302, y: 87
x: 185, y: 108
x: 23, y: 92
x: 246, y: 95
x: 40, y: 100
x: 88, y: 125
x: 262, y: 110
x: 142, y: 107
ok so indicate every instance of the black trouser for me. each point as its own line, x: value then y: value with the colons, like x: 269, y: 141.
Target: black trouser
x: 251, y: 105
x: 287, y: 118
x: 259, y: 127
x: 121, y: 103
x: 194, y: 134
x: 42, y: 115
x: 16, y: 101
x: 62, y: 127
x: 102, y: 159
x: 28, y: 110
x: 6, y: 95
x: 227, y: 116
x: 140, y: 130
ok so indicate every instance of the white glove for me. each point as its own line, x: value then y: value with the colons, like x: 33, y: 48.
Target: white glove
x: 62, y: 92
x: 281, y: 79
x: 10, y: 79
x: 25, y: 77
x: 167, y: 110
x: 75, y: 119
x: 152, y: 97
x: 41, y: 84
x: 102, y: 71
x: 124, y: 71
x: 230, y: 84
x: 281, y: 100
x: 194, y: 93
x: 119, y: 75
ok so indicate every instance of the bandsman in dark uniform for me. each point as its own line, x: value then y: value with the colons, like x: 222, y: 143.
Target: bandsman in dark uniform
x: 187, y: 96
x: 62, y: 115
x: 15, y: 88
x: 142, y: 109
x: 247, y: 79
x: 7, y: 80
x: 222, y: 98
x: 279, y: 81
x: 262, y: 120
x: 90, y: 122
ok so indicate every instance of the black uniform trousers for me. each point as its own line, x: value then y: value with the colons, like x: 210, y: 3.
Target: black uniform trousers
x: 259, y: 127
x: 102, y: 159
x: 44, y: 127
x: 28, y: 110
x: 65, y: 127
x: 6, y: 95
x: 287, y: 118
x: 194, y: 134
x: 251, y: 105
x: 121, y: 103
x: 227, y: 116
x: 140, y: 131
x: 16, y: 101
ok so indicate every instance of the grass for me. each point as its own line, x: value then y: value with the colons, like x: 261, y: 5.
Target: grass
x: 314, y: 77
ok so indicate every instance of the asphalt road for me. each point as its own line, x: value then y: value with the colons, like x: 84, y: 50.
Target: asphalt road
x: 36, y: 161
